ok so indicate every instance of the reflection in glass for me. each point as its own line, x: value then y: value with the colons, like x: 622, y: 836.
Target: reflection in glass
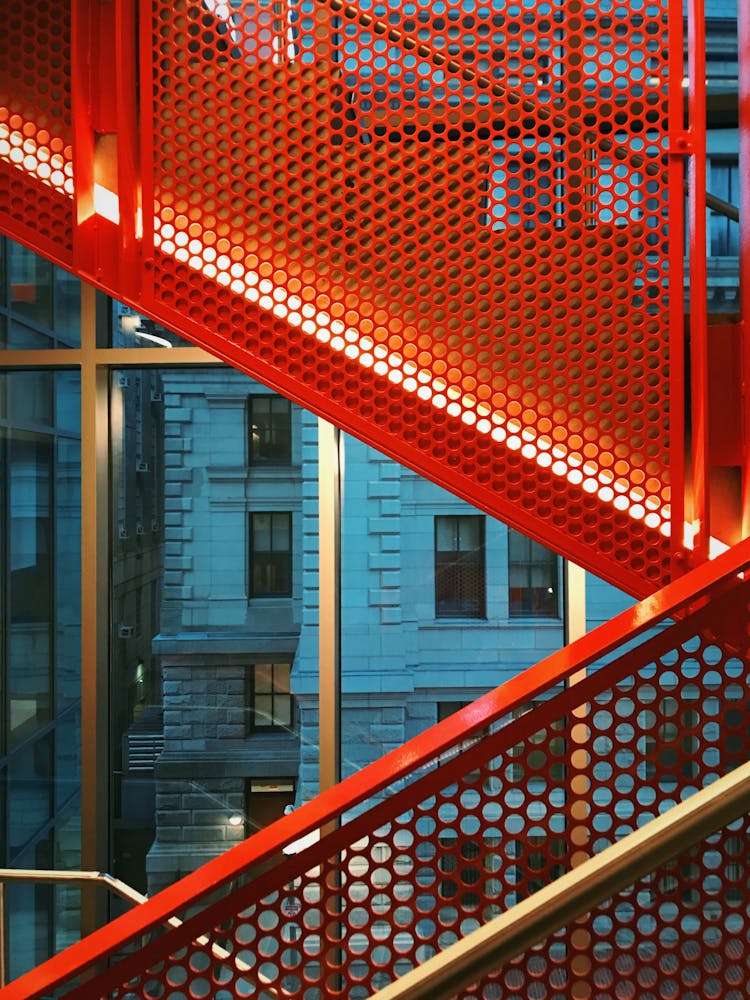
x: 30, y: 790
x: 203, y: 741
x: 40, y: 304
x: 130, y: 329
x: 29, y: 641
x: 30, y: 286
x: 40, y: 505
x: 31, y: 931
x: 67, y: 306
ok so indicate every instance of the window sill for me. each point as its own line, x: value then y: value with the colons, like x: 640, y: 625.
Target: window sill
x: 484, y: 623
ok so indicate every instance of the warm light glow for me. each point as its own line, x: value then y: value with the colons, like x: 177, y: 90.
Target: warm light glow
x: 54, y: 169
x: 715, y: 545
x: 106, y: 204
x: 300, y: 312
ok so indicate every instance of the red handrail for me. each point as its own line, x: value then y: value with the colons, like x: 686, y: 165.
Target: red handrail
x: 674, y: 600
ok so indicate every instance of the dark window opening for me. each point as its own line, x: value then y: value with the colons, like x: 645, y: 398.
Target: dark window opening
x: 270, y: 430
x: 271, y: 554
x: 459, y: 567
x: 270, y: 697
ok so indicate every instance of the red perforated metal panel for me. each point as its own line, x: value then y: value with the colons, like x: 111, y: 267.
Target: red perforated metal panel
x: 459, y: 213
x: 36, y: 169
x: 536, y: 778
x: 682, y: 932
x: 445, y: 227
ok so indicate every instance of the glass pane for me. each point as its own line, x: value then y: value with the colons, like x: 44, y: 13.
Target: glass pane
x: 40, y: 505
x: 67, y: 304
x: 30, y: 788
x: 29, y: 642
x: 40, y: 305
x: 263, y: 710
x: 263, y: 677
x: 446, y: 539
x: 470, y: 537
x: 128, y: 328
x: 197, y: 709
x: 31, y: 930
x: 283, y: 711
x: 30, y: 397
x: 282, y: 674
x: 261, y: 532
x: 30, y: 285
x: 281, y: 528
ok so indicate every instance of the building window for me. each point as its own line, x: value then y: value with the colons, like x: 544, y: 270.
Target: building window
x: 724, y: 183
x: 270, y: 430
x: 271, y: 554
x: 532, y: 579
x: 447, y: 708
x: 459, y: 567
x: 270, y: 696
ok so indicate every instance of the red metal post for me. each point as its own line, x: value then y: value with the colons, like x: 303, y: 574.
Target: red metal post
x: 676, y: 225
x: 743, y: 33
x: 697, y: 272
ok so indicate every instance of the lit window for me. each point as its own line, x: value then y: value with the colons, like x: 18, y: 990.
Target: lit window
x: 270, y: 427
x: 270, y: 696
x: 532, y: 579
x: 271, y: 554
x: 459, y: 567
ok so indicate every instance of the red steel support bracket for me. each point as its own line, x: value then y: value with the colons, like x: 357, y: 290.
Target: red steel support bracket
x: 743, y: 33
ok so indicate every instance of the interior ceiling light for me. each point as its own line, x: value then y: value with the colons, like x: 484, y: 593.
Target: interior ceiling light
x: 174, y: 235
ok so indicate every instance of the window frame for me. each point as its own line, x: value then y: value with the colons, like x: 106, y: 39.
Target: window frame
x: 254, y: 456
x: 274, y: 726
x: 253, y: 559
x: 529, y: 609
x: 466, y: 560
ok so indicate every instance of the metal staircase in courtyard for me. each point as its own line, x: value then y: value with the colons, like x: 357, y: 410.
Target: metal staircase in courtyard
x: 456, y: 231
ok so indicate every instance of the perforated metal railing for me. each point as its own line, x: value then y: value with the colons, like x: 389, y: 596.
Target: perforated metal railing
x: 454, y: 229
x: 681, y: 932
x: 460, y: 823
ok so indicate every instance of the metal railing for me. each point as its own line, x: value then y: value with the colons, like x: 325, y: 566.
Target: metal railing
x: 35, y: 875
x: 576, y: 893
x: 115, y: 885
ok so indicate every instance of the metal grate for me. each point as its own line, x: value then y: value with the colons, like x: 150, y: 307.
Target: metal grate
x: 446, y: 228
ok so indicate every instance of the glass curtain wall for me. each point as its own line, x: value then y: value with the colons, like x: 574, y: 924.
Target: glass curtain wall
x: 40, y: 605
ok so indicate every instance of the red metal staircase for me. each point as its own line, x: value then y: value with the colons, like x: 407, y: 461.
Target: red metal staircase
x: 456, y: 235
x: 456, y: 232
x: 472, y: 816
